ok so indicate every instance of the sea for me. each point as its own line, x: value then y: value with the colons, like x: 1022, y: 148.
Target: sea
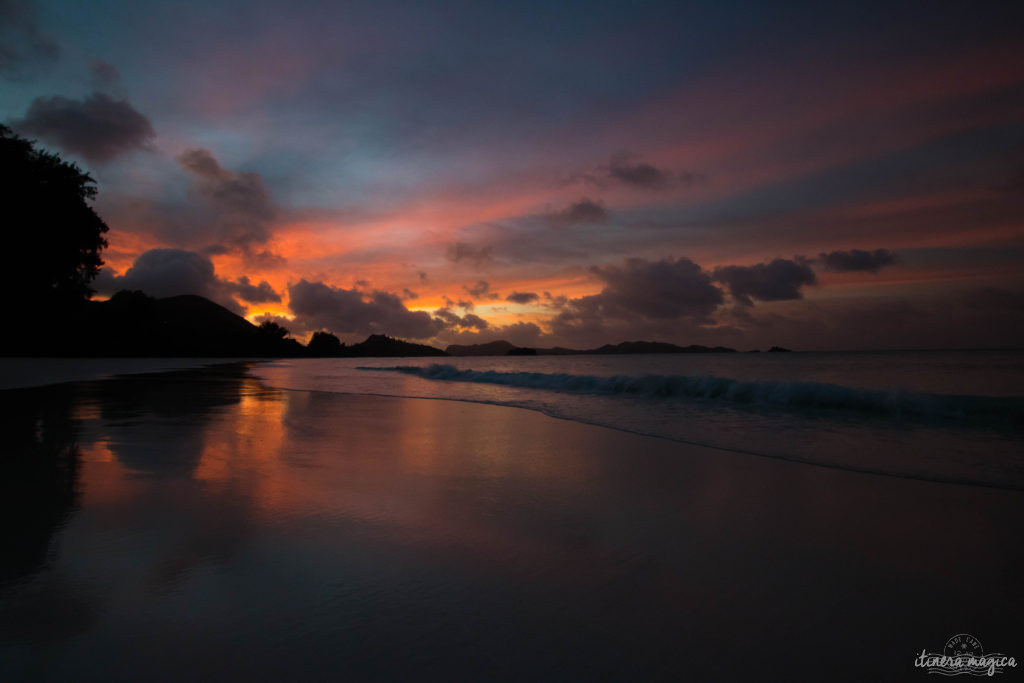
x: 272, y: 520
x: 953, y: 416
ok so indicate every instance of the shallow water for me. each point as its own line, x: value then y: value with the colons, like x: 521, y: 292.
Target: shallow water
x: 949, y: 416
x: 200, y: 525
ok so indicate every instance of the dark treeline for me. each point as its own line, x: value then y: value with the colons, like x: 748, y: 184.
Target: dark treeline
x: 57, y: 239
x: 132, y: 324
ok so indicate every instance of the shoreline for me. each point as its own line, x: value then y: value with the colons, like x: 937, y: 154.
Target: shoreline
x: 682, y: 442
x: 225, y: 528
x: 166, y: 365
x: 14, y: 371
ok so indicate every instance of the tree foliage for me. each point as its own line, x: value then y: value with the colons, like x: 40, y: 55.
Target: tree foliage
x: 325, y: 344
x: 273, y: 329
x: 55, y: 235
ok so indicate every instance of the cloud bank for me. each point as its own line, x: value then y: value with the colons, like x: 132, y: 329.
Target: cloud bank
x: 240, y: 206
x: 779, y: 280
x: 857, y: 260
x: 173, y: 272
x: 584, y: 212
x: 98, y: 128
x: 319, y: 306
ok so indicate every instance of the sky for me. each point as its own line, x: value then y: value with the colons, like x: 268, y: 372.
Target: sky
x: 811, y: 175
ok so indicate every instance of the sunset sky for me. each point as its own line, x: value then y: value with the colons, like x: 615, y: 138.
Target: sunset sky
x: 818, y: 175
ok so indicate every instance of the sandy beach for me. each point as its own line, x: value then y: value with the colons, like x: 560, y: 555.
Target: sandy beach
x: 197, y: 524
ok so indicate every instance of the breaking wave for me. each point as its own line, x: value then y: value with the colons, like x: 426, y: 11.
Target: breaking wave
x: 800, y: 395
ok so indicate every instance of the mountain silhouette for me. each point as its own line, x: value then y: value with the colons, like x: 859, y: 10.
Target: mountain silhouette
x: 504, y: 348
x: 133, y: 324
x: 494, y: 348
x: 380, y: 345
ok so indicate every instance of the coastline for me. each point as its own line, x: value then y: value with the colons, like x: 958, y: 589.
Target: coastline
x: 385, y: 535
x: 37, y: 372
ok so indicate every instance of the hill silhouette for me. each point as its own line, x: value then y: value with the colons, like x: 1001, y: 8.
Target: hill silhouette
x: 494, y: 348
x: 504, y: 348
x: 379, y: 345
x: 134, y: 324
x: 657, y: 347
x: 326, y: 345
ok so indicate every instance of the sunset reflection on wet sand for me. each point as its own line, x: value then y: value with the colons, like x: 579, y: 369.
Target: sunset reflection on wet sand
x: 198, y: 524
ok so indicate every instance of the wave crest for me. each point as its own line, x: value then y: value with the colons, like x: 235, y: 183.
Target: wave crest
x: 804, y: 395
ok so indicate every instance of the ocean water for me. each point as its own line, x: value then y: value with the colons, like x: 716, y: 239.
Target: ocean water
x: 947, y: 416
x: 204, y: 525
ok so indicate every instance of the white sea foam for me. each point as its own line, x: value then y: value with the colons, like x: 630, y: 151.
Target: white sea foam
x: 802, y: 395
x: 949, y: 416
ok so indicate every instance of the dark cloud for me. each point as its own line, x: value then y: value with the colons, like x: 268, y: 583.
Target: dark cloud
x: 423, y: 277
x: 643, y: 175
x: 519, y: 334
x: 480, y: 289
x: 625, y: 169
x: 318, y: 306
x: 104, y: 74
x: 639, y: 296
x: 474, y: 321
x: 555, y: 301
x: 99, y: 128
x: 216, y: 250
x: 23, y: 46
x: 263, y: 259
x: 451, y: 320
x: 779, y: 280
x: 409, y: 294
x: 171, y: 272
x: 857, y: 260
x: 659, y: 289
x: 583, y: 212
x: 522, y: 297
x: 448, y: 317
x: 240, y: 206
x: 464, y: 252
x: 254, y: 294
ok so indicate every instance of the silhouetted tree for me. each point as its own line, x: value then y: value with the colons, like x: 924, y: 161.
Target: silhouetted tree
x: 273, y: 330
x: 325, y: 344
x: 53, y: 234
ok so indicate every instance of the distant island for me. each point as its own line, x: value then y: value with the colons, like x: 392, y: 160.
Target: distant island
x: 133, y: 324
x: 504, y: 348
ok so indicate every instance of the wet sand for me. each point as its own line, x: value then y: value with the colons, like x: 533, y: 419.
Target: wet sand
x: 195, y: 525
